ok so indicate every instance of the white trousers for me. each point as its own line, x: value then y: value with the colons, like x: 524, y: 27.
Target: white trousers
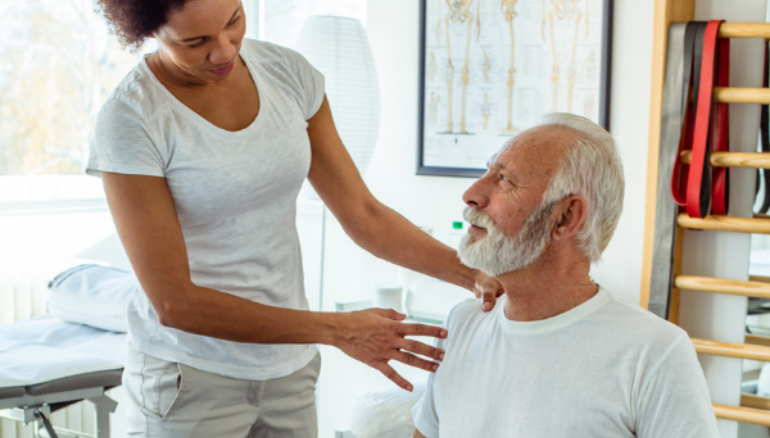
x: 169, y: 399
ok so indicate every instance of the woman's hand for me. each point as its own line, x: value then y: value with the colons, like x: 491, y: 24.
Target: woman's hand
x: 488, y: 289
x: 375, y: 336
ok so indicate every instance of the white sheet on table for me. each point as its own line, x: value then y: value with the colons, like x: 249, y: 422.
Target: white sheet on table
x: 46, y: 348
x: 385, y: 414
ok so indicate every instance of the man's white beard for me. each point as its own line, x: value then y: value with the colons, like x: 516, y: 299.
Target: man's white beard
x: 497, y: 253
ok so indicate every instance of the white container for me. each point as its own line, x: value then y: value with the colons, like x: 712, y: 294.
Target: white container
x: 431, y: 299
x: 454, y: 235
x: 387, y: 296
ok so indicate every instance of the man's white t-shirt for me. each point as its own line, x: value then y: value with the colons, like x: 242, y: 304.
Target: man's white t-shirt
x: 235, y: 194
x: 606, y: 368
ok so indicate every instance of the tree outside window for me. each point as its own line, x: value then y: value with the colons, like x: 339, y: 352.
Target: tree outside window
x: 58, y: 67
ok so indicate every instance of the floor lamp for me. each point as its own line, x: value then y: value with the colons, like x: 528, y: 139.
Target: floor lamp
x: 339, y: 49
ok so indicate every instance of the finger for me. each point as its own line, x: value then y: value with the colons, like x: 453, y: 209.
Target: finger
x: 421, y: 349
x: 488, y: 301
x: 390, y: 314
x: 391, y: 374
x: 414, y: 361
x: 421, y: 330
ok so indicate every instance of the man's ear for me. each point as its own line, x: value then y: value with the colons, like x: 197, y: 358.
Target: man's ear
x: 570, y: 213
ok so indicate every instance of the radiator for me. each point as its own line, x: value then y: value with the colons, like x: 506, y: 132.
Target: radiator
x: 22, y: 297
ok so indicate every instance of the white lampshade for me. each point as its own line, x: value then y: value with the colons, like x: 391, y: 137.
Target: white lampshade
x: 338, y: 48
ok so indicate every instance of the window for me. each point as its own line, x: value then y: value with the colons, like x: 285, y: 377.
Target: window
x: 59, y: 65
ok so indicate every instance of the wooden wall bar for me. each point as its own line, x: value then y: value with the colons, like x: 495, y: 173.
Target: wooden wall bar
x: 665, y: 12
x: 744, y: 415
x: 744, y: 30
x: 752, y: 160
x: 742, y: 95
x: 719, y: 285
x: 726, y: 223
x: 728, y: 349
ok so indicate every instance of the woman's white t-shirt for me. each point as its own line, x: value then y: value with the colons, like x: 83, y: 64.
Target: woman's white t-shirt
x: 235, y: 194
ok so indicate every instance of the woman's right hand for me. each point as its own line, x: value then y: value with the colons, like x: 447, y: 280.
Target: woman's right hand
x: 376, y: 336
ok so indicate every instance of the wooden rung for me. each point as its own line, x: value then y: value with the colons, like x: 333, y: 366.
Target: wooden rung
x: 727, y: 349
x: 759, y: 278
x: 743, y: 415
x: 753, y: 160
x: 757, y: 340
x: 755, y: 402
x: 726, y: 223
x: 761, y: 216
x: 722, y: 286
x: 744, y: 30
x: 742, y: 95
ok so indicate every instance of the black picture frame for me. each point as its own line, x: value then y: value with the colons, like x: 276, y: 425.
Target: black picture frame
x: 604, y: 92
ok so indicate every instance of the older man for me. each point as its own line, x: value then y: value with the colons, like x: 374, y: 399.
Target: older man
x: 560, y: 356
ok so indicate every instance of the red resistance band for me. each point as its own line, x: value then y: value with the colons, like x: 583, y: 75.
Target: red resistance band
x: 706, y: 189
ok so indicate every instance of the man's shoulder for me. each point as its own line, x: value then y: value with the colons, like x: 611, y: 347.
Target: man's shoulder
x: 467, y: 318
x: 469, y: 309
x: 631, y: 319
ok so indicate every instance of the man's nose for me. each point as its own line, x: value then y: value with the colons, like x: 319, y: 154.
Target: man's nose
x: 475, y: 196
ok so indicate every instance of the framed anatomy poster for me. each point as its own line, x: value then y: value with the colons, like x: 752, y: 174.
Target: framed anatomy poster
x: 491, y: 68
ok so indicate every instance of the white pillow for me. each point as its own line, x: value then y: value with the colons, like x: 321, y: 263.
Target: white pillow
x: 93, y: 295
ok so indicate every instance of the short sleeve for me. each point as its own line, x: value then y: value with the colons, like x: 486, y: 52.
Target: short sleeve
x: 424, y: 413
x: 675, y: 401
x: 311, y: 82
x: 122, y: 143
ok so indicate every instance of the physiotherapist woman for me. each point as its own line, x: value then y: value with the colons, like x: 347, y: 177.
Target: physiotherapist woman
x: 202, y: 149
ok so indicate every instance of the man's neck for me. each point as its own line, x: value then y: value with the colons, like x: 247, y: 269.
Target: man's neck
x: 551, y: 286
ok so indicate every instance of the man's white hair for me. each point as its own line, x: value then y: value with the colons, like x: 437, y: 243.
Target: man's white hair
x: 592, y: 169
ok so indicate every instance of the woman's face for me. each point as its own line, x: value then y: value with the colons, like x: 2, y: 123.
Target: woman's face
x: 200, y: 43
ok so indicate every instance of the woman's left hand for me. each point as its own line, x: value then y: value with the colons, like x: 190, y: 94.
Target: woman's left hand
x: 487, y: 288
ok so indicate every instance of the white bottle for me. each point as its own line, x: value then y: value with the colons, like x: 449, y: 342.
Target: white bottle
x: 455, y: 235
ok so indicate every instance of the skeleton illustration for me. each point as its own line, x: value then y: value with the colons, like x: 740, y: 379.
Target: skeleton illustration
x: 508, y: 8
x: 589, y: 102
x: 485, y: 67
x: 433, y: 108
x: 591, y: 67
x: 432, y: 67
x: 566, y: 12
x: 459, y: 12
x: 486, y: 110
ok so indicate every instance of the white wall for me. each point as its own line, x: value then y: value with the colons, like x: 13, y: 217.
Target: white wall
x: 393, y: 28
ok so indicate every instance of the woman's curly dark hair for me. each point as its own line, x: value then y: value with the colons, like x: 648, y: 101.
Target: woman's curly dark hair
x: 133, y: 21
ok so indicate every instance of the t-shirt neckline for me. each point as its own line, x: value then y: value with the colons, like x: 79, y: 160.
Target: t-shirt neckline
x: 201, y: 121
x: 523, y: 328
